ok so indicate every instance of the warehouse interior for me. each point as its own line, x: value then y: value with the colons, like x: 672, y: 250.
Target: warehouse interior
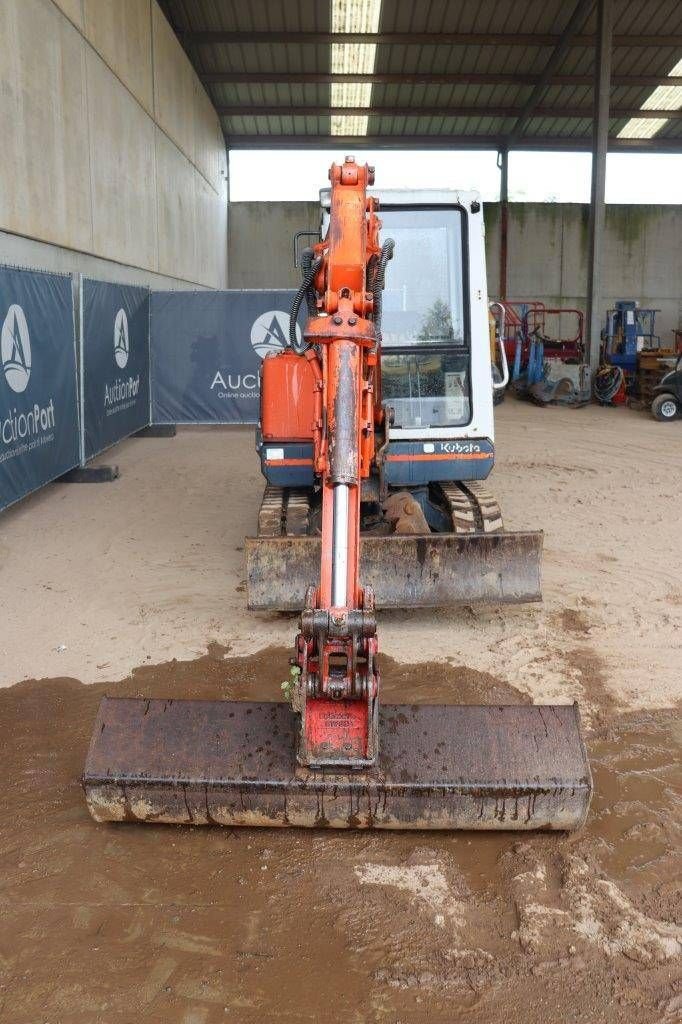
x: 122, y: 216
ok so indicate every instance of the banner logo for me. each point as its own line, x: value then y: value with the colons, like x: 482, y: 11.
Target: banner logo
x: 270, y: 332
x: 121, y: 341
x: 15, y: 348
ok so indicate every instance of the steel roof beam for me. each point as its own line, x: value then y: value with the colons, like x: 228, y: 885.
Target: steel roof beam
x: 422, y: 78
x: 580, y: 12
x: 417, y: 39
x: 448, y: 141
x: 257, y: 110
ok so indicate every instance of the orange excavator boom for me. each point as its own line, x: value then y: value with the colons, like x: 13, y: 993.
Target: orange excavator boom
x: 336, y: 649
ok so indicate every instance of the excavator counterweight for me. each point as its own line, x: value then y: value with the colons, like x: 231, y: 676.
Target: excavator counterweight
x: 375, y: 438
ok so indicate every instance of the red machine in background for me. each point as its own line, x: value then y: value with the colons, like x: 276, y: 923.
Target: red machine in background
x: 529, y: 320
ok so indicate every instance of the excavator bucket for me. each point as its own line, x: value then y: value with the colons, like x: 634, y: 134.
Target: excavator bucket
x: 434, y: 571
x: 194, y: 762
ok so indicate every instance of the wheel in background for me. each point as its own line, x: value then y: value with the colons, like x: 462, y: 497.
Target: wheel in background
x: 665, y: 407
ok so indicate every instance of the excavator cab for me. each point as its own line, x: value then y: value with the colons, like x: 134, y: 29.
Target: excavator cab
x: 432, y: 533
x: 428, y: 359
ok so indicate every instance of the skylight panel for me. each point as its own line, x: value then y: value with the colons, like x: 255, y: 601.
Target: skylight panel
x: 353, y: 58
x: 664, y: 97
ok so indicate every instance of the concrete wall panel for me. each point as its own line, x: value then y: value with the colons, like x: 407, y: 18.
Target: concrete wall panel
x: 174, y: 85
x: 78, y: 163
x: 44, y: 173
x: 547, y: 253
x: 260, y: 242
x: 33, y: 254
x: 573, y: 256
x: 211, y: 233
x: 491, y: 215
x: 534, y: 249
x: 209, y: 143
x: 122, y: 33
x: 73, y: 9
x: 642, y: 257
x: 123, y: 174
x: 640, y: 237
x: 176, y: 205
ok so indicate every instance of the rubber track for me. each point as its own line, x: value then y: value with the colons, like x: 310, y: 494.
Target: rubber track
x: 284, y: 511
x: 297, y: 513
x: 271, y: 512
x: 488, y: 511
x: 462, y: 508
x: 472, y: 507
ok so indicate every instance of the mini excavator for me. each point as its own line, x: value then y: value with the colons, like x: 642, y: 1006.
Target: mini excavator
x: 375, y: 436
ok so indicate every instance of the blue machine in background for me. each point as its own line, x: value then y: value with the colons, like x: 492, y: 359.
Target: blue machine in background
x: 629, y: 330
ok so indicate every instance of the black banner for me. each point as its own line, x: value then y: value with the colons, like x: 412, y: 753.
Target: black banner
x: 115, y: 363
x: 39, y: 437
x: 206, y: 351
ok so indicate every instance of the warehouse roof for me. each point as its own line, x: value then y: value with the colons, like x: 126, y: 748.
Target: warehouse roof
x: 473, y: 74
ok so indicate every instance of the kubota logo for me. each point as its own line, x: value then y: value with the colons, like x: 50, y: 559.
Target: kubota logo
x: 15, y: 349
x: 121, y: 342
x: 270, y: 332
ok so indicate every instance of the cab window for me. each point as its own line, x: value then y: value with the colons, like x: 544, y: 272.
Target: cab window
x: 425, y: 364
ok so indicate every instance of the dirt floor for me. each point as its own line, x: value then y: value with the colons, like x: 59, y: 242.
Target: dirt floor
x: 136, y: 587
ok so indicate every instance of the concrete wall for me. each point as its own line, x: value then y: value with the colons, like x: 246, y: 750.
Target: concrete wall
x: 547, y: 256
x: 113, y: 160
x: 260, y: 242
x: 547, y: 252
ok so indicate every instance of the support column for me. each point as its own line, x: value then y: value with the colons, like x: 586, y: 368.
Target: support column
x: 600, y: 131
x: 503, y: 164
x: 227, y: 215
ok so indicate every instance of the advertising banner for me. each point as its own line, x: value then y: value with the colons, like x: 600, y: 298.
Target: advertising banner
x: 114, y: 363
x: 39, y: 432
x: 206, y: 351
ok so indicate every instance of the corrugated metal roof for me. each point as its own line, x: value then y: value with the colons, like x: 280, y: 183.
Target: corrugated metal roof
x: 266, y: 98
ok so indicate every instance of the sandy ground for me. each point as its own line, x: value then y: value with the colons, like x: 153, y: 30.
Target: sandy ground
x: 106, y: 585
x: 98, y: 578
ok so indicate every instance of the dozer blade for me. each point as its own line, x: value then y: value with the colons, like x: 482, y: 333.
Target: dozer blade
x: 404, y: 571
x: 440, y: 767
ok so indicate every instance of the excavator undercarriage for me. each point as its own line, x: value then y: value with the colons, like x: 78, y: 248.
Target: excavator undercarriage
x: 407, y: 565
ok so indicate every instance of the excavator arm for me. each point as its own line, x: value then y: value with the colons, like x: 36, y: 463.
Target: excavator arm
x: 336, y: 648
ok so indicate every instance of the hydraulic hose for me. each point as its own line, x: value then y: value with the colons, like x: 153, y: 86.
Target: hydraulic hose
x: 307, y: 259
x: 309, y: 267
x: 378, y: 283
x: 607, y: 383
x: 310, y: 264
